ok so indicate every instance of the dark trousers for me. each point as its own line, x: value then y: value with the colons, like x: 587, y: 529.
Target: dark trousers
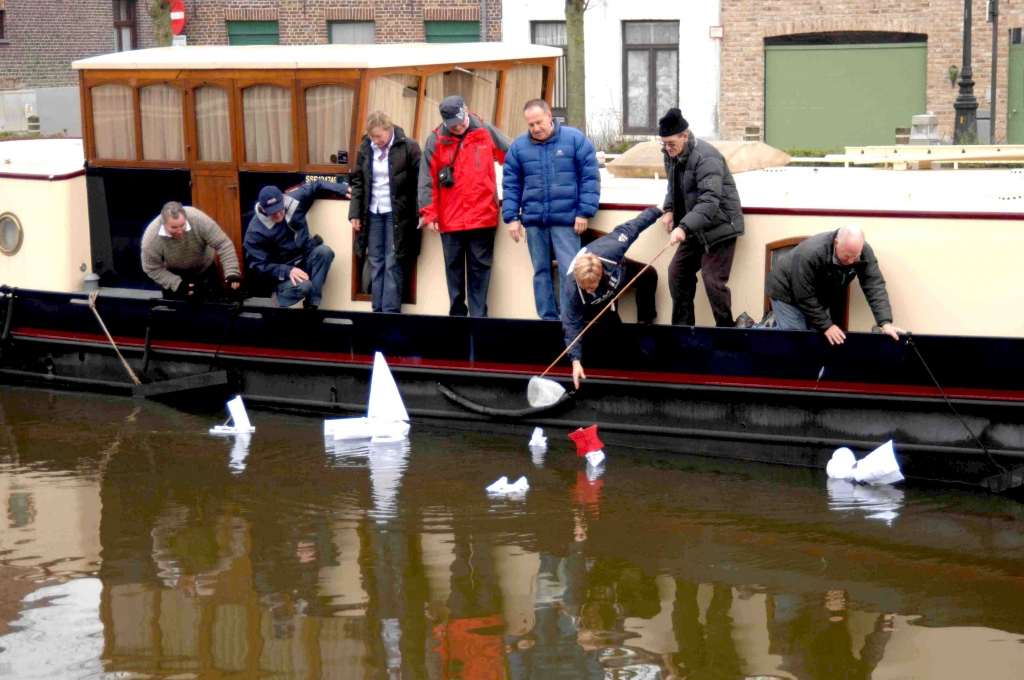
x: 206, y: 285
x: 715, y: 265
x: 467, y: 260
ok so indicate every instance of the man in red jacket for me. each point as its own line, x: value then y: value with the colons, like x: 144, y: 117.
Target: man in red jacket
x: 458, y: 197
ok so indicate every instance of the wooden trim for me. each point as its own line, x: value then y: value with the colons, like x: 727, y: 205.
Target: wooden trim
x: 499, y: 103
x: 421, y: 94
x: 138, y: 124
x: 85, y: 97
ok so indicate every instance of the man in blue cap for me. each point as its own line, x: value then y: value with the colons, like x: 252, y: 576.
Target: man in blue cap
x: 280, y: 253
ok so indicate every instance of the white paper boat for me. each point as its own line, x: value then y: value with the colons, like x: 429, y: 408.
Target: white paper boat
x: 503, y: 487
x: 879, y: 467
x: 594, y: 458
x: 538, y: 439
x: 386, y: 418
x: 239, y: 419
x: 841, y: 464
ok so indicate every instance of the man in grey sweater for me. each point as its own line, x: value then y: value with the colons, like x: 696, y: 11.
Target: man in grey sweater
x: 178, y: 250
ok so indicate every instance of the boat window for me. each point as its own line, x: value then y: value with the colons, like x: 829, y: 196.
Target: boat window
x: 163, y: 134
x: 267, y: 120
x: 479, y: 87
x: 522, y: 84
x: 113, y: 121
x: 11, y: 235
x: 395, y: 95
x: 329, y: 121
x: 213, y: 124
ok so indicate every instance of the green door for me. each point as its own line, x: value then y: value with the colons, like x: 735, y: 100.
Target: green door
x: 830, y: 96
x: 451, y: 31
x: 1015, y: 92
x: 253, y: 33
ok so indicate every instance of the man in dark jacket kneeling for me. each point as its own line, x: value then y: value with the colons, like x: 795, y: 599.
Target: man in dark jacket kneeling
x: 703, y: 214
x: 279, y: 251
x: 807, y: 280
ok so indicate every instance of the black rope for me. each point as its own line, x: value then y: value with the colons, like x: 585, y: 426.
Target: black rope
x: 913, y: 345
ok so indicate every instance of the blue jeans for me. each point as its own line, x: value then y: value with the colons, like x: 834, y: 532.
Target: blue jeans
x: 385, y: 269
x: 788, y: 317
x: 541, y: 241
x: 317, y: 264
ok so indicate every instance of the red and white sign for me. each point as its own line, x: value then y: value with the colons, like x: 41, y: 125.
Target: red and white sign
x: 177, y: 16
x: 718, y: 32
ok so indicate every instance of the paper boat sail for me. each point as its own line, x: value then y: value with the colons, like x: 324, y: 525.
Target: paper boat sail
x: 386, y: 418
x: 239, y: 419
x: 877, y: 468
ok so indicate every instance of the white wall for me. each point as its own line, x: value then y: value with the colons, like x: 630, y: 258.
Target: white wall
x: 698, y: 54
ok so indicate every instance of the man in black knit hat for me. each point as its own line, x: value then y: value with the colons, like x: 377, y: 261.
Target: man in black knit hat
x: 703, y: 215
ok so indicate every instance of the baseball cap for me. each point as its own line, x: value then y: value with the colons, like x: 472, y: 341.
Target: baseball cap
x: 453, y: 110
x: 271, y: 200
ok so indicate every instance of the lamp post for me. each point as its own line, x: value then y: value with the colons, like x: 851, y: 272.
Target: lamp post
x: 965, y: 128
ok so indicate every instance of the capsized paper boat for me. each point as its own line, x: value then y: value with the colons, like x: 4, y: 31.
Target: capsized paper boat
x: 879, y: 467
x: 239, y: 419
x: 386, y: 418
x: 502, y: 486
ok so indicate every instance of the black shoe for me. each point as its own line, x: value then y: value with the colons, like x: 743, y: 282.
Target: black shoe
x: 744, y: 321
x: 307, y: 305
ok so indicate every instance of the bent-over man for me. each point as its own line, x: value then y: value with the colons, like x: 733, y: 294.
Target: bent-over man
x: 279, y: 249
x: 551, y: 186
x: 178, y: 250
x: 597, y: 274
x: 703, y: 214
x: 807, y: 280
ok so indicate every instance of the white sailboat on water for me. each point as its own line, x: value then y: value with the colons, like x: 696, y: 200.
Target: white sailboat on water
x: 386, y: 418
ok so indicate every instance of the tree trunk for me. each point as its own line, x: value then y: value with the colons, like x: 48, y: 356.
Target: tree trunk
x: 575, y: 79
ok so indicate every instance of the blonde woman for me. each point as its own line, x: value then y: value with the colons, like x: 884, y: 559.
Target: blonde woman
x: 383, y: 209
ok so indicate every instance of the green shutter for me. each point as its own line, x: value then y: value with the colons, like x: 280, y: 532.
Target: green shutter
x: 451, y: 31
x: 253, y: 33
x: 1015, y: 111
x: 824, y: 97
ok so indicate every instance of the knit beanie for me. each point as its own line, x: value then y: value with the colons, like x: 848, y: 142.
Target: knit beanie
x: 672, y: 123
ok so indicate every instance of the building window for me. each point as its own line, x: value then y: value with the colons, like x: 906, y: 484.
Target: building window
x: 1, y: 24
x: 351, y: 32
x: 650, y: 73
x: 451, y: 31
x: 125, y: 35
x: 552, y: 34
x: 253, y: 33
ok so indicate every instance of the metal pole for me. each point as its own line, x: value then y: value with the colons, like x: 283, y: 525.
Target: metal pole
x: 965, y: 127
x: 995, y: 70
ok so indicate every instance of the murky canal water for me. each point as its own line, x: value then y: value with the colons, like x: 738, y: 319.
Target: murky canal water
x: 136, y: 545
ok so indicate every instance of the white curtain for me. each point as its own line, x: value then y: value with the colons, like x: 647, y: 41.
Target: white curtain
x: 213, y: 124
x: 113, y: 121
x: 267, y: 119
x: 396, y: 96
x: 163, y: 135
x: 479, y: 88
x: 329, y: 121
x: 522, y: 84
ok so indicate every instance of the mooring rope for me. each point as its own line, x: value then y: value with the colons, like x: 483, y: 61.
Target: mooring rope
x: 92, y: 306
x: 913, y: 345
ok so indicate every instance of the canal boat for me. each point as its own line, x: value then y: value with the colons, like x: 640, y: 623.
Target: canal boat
x: 210, y: 126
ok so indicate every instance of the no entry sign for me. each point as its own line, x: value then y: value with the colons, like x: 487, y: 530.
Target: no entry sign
x: 177, y: 16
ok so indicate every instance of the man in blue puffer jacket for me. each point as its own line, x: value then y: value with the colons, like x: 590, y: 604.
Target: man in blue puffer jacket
x: 551, y: 186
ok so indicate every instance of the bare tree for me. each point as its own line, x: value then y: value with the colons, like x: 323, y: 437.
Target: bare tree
x: 575, y: 79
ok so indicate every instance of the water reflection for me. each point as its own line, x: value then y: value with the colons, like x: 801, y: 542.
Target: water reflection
x: 133, y: 545
x: 874, y: 502
x: 239, y: 452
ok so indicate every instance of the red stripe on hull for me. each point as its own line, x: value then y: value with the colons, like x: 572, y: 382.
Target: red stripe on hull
x: 530, y: 370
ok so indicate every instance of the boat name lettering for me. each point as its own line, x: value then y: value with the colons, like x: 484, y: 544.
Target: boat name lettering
x: 329, y: 178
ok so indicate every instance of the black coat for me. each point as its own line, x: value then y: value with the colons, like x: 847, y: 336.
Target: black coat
x: 810, y: 277
x: 404, y: 165
x: 702, y: 194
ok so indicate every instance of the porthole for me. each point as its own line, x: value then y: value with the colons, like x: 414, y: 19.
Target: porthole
x: 11, y: 235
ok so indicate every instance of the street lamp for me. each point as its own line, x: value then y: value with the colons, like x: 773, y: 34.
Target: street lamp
x: 965, y: 128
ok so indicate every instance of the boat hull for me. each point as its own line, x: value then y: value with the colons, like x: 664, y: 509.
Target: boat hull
x: 770, y: 396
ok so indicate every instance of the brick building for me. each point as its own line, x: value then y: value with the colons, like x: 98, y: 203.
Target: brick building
x: 904, y: 51
x: 314, y: 22
x: 40, y: 38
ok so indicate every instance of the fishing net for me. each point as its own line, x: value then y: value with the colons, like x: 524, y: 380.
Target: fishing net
x: 543, y: 392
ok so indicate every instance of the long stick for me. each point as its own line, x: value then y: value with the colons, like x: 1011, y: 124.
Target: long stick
x: 606, y: 307
x: 92, y: 306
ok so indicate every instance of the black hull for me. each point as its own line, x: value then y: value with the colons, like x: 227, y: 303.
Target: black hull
x: 751, y: 395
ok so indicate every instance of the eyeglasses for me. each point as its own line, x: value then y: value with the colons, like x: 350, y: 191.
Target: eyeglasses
x: 672, y: 145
